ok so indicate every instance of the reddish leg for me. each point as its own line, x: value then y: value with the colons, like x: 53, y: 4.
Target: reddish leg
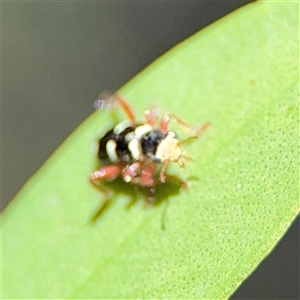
x: 195, y: 132
x: 144, y: 174
x: 107, y: 173
x: 131, y: 171
x: 146, y: 177
x: 140, y: 173
x: 151, y: 116
x: 164, y: 123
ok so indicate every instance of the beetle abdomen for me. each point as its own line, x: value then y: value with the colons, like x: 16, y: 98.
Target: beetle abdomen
x: 114, y: 146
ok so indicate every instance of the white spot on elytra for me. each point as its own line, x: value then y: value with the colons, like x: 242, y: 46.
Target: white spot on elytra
x: 111, y: 150
x: 135, y: 149
x: 121, y: 127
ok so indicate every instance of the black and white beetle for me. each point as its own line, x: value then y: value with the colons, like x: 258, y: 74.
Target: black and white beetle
x: 139, y: 153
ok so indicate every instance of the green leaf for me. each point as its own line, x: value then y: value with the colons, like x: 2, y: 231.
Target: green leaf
x: 241, y: 74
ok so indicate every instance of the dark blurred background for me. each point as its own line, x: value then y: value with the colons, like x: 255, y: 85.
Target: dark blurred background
x: 58, y: 56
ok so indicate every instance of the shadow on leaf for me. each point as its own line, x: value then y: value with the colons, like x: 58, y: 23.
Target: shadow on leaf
x: 116, y: 188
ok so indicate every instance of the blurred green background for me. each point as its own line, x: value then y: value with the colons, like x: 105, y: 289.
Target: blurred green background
x: 58, y: 56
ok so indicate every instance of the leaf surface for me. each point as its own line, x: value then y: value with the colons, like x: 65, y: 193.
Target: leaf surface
x: 242, y: 75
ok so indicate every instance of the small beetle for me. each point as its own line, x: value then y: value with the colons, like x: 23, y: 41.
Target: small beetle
x: 140, y: 153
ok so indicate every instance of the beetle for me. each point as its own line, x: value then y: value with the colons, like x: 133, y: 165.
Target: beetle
x: 140, y: 152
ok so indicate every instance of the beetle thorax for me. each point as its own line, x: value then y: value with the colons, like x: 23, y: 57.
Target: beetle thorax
x: 169, y: 149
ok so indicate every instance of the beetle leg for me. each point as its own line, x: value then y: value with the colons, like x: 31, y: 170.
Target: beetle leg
x: 162, y: 176
x: 131, y: 171
x: 151, y: 116
x: 193, y: 131
x: 140, y: 173
x: 164, y: 123
x: 146, y: 177
x: 107, y: 173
